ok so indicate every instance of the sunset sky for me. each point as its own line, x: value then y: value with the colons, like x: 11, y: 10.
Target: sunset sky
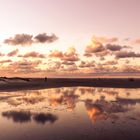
x: 68, y: 38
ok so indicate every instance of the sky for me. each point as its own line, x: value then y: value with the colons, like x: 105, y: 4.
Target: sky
x: 64, y: 38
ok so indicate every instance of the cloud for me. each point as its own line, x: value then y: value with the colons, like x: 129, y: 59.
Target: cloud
x: 69, y: 55
x: 102, y: 58
x: 98, y: 45
x: 126, y: 54
x: 130, y: 68
x: 61, y: 66
x: 70, y: 68
x: 1, y: 54
x: 88, y: 54
x: 101, y: 68
x: 68, y: 63
x: 111, y: 62
x: 42, y: 38
x: 137, y: 41
x: 94, y: 47
x: 27, y: 40
x: 104, y: 40
x: 5, y: 61
x: 127, y: 61
x: 24, y: 66
x: 101, y: 47
x: 56, y: 54
x: 53, y: 66
x: 34, y: 55
x: 13, y: 53
x: 102, y: 54
x: 84, y: 64
x: 19, y: 39
x: 113, y: 47
x: 25, y: 63
x: 59, y: 63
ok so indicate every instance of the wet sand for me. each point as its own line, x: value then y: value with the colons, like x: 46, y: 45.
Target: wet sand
x: 14, y: 84
x: 71, y: 113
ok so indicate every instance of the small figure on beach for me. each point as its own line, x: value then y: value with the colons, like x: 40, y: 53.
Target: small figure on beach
x: 45, y: 79
x: 131, y: 79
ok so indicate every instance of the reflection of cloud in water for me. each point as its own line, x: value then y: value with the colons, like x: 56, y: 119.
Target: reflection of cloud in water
x: 125, y: 101
x: 100, y: 103
x: 95, y: 113
x: 26, y: 116
x: 102, y: 109
x: 109, y: 92
x: 43, y: 118
x: 60, y: 96
x: 31, y: 100
x: 87, y: 90
x: 69, y: 100
x: 20, y: 116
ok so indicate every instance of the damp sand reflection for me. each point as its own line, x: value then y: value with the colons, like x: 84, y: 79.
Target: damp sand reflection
x: 73, y: 113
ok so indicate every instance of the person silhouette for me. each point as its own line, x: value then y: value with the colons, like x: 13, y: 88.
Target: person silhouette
x: 45, y: 79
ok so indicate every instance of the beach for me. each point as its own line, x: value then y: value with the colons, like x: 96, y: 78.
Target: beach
x: 14, y: 84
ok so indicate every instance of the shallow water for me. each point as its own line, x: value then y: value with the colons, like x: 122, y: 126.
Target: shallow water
x: 76, y: 113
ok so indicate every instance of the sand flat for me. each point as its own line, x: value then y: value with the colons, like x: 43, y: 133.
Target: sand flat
x: 9, y: 84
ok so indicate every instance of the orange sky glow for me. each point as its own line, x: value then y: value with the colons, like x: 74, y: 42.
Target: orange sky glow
x: 69, y: 38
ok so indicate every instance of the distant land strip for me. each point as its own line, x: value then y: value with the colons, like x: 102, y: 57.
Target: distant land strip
x: 17, y: 83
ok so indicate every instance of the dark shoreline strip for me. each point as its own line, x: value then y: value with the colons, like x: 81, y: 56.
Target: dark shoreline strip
x: 40, y: 83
